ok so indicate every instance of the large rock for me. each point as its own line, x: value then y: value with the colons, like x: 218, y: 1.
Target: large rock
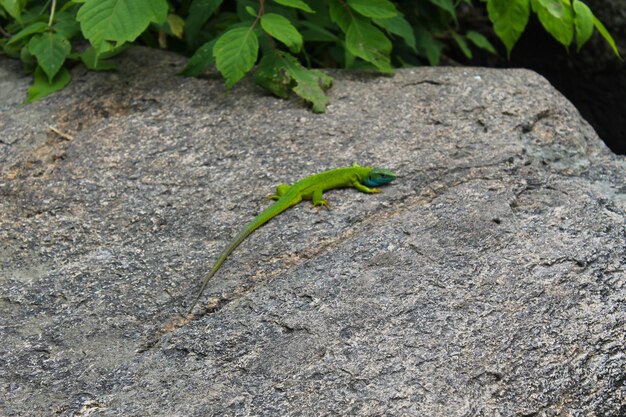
x: 488, y: 280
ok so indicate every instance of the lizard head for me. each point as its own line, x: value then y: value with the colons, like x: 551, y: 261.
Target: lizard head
x: 379, y: 176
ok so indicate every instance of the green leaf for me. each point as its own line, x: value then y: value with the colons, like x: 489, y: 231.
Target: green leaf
x: 296, y: 4
x: 50, y: 49
x: 270, y: 75
x: 370, y: 44
x: 280, y: 27
x: 583, y: 21
x: 176, y: 24
x: 42, y: 86
x: 382, y: 9
x: 93, y: 61
x: 509, y: 18
x: 14, y: 8
x: 119, y: 21
x: 606, y: 35
x: 480, y: 41
x: 462, y: 45
x: 339, y: 15
x: 280, y: 71
x: 554, y: 7
x: 200, y: 60
x: 199, y: 13
x: 29, y: 61
x: 348, y: 58
x: 235, y: 53
x: 251, y: 11
x: 310, y: 86
x: 37, y: 27
x: 428, y: 46
x: 65, y: 24
x: 561, y: 28
x: 398, y: 25
x: 447, y: 5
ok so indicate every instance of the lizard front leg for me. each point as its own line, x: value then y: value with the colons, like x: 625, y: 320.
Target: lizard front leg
x: 365, y: 189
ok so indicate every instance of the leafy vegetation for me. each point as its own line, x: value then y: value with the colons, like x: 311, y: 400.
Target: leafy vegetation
x: 285, y: 39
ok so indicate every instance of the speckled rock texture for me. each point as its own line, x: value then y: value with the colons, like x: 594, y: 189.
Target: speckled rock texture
x: 488, y: 280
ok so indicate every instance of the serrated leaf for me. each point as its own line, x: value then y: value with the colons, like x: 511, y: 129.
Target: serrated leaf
x: 271, y: 76
x: 480, y: 41
x: 37, y: 27
x: 509, y: 18
x: 296, y: 4
x: 14, y: 8
x: 309, y: 86
x: 42, y: 86
x: 462, y: 45
x: 370, y: 44
x: 279, y: 27
x: 50, y: 49
x: 398, y: 25
x: 200, y: 60
x: 561, y: 28
x: 235, y: 53
x: 119, y: 21
x: 606, y: 35
x: 199, y: 13
x: 583, y: 21
x: 280, y: 71
x: 382, y: 9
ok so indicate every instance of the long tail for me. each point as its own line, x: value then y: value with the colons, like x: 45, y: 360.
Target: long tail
x: 265, y: 216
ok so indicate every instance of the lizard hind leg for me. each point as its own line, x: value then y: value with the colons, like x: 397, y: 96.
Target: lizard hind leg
x: 281, y: 190
x: 318, y: 200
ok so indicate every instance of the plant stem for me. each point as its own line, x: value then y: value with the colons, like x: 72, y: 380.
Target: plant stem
x: 52, y: 9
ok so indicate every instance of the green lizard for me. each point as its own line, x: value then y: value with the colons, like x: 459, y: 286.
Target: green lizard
x: 309, y: 188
